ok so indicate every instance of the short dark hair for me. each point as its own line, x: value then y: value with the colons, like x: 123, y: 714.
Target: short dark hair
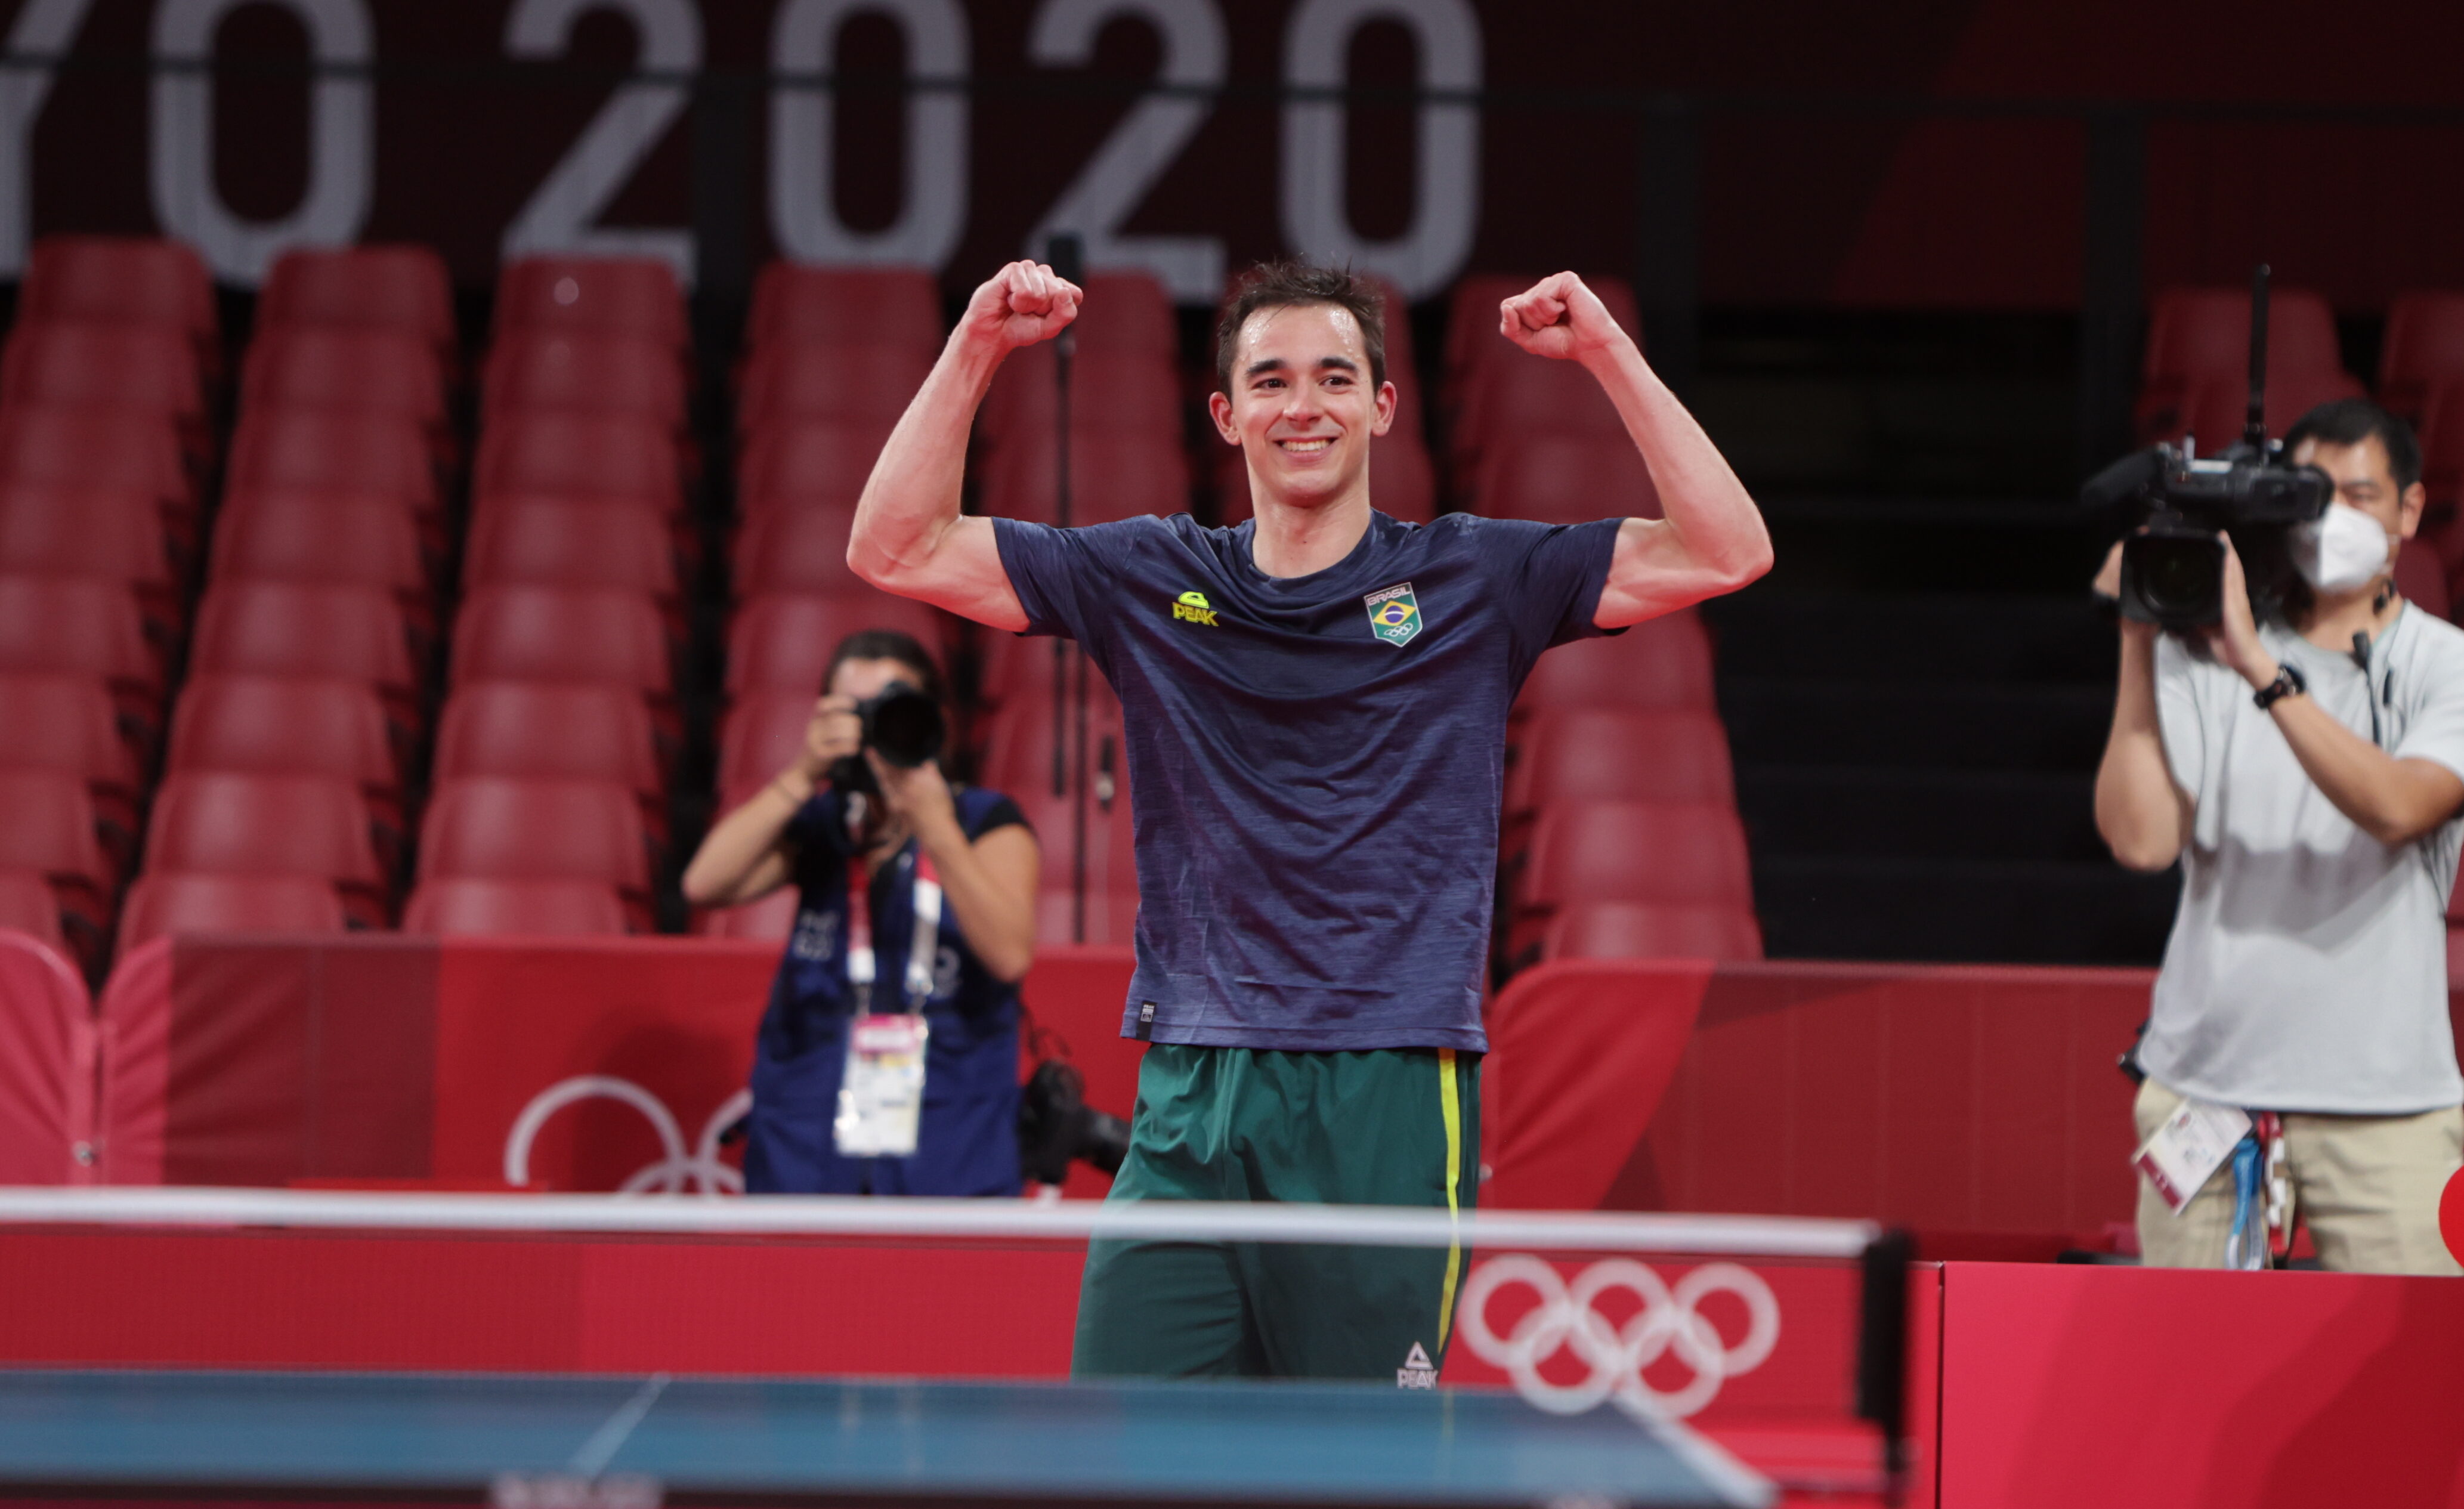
x: 881, y: 643
x: 2350, y: 421
x: 1286, y: 284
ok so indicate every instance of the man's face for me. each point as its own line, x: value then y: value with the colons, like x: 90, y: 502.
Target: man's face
x: 1302, y: 408
x: 2363, y: 482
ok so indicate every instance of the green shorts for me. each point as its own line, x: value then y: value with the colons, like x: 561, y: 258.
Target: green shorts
x: 1394, y: 1127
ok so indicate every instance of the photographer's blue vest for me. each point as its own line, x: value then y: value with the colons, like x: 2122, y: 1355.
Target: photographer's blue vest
x: 968, y: 1141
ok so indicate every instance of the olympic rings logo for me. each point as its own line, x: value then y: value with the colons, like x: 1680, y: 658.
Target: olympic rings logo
x: 1669, y: 1320
x: 699, y: 1168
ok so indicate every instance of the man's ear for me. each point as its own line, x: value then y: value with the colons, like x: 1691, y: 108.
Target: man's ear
x: 1386, y: 401
x: 1219, y: 407
x: 2409, y: 510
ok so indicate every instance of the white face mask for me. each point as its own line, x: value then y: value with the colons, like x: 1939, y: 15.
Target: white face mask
x: 2342, y: 550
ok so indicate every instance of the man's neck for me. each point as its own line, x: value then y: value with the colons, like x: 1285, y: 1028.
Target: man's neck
x: 2333, y: 620
x: 1291, y: 540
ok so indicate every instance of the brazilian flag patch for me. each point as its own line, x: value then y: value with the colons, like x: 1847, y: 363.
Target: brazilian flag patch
x: 1393, y: 614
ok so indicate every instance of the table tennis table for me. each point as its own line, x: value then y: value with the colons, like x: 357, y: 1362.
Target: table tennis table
x: 597, y: 1442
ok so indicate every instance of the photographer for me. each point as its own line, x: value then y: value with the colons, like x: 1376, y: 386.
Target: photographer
x: 2308, y: 771
x: 910, y: 846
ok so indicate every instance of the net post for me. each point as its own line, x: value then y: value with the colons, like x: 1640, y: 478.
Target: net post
x: 1882, y: 1352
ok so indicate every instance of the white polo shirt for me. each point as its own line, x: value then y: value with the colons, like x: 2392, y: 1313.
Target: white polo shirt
x: 2307, y: 967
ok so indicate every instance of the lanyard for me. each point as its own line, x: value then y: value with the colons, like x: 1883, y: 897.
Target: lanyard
x: 921, y: 950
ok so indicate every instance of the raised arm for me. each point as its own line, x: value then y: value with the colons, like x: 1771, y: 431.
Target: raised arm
x: 909, y: 536
x: 1712, y: 538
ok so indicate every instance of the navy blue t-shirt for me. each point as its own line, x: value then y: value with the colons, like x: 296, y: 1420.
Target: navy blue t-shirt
x: 967, y: 1142
x: 1316, y: 763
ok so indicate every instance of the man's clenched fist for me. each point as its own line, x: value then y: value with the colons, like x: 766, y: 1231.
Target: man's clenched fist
x: 1019, y: 305
x: 1560, y: 317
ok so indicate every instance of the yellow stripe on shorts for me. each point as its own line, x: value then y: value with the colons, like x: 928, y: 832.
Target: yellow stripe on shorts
x: 1450, y: 1105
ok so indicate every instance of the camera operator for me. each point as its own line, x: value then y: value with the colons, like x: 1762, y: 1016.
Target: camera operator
x: 866, y: 841
x: 2308, y: 771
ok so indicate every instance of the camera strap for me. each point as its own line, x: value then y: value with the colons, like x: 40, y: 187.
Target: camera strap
x: 923, y: 949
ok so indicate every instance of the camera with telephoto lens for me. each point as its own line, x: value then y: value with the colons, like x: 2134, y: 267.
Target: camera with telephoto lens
x: 902, y: 724
x: 2172, y: 568
x: 1056, y: 1125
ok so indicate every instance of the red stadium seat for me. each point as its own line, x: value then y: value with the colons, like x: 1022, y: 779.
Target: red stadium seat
x: 544, y: 542
x: 150, y: 368
x: 613, y: 295
x: 846, y: 306
x: 335, y: 452
x: 565, y: 452
x: 2422, y: 349
x: 360, y: 370
x: 398, y: 287
x: 321, y: 539
x: 615, y: 374
x: 491, y: 828
x: 2199, y: 338
x: 1472, y: 336
x: 1666, y: 663
x: 114, y: 536
x: 1628, y: 929
x: 66, y: 724
x: 167, y: 903
x: 870, y: 384
x: 784, y: 641
x: 797, y: 548
x: 1595, y: 851
x: 1505, y: 405
x: 808, y: 461
x: 1402, y: 482
x: 2216, y: 410
x: 81, y: 627
x: 133, y: 279
x: 47, y: 826
x: 2422, y: 578
x: 1019, y: 745
x: 28, y: 905
x: 534, y: 730
x: 1565, y: 479
x: 103, y: 448
x: 772, y: 919
x: 217, y: 822
x: 1127, y: 311
x: 1113, y: 475
x: 283, y: 628
x: 1132, y: 391
x: 471, y: 907
x: 561, y: 634
x: 290, y: 726
x: 758, y: 736
x: 1621, y: 755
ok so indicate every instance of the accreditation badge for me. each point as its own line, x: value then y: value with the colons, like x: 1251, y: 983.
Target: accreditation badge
x: 881, y: 1099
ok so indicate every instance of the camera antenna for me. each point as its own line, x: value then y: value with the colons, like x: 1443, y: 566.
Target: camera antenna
x: 2253, y: 431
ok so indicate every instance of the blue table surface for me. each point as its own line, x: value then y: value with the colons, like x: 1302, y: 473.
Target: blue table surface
x: 1154, y: 1442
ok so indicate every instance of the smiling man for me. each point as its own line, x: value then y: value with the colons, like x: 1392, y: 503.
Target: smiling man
x: 1314, y: 706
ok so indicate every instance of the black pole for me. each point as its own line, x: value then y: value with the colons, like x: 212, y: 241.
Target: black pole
x: 1883, y: 1352
x: 2254, y: 429
x: 1065, y: 253
x: 2110, y: 295
x: 1668, y: 240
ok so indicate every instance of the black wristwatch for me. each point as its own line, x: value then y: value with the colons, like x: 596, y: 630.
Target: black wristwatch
x: 2288, y: 682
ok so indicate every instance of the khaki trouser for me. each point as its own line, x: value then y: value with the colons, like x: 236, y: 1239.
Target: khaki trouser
x: 2368, y: 1187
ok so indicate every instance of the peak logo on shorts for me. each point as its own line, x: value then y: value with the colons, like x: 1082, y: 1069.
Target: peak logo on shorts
x: 1417, y: 1371
x: 1192, y: 608
x: 1393, y: 614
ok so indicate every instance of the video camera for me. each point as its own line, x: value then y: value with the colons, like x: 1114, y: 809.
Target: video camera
x: 2172, y: 568
x: 902, y: 724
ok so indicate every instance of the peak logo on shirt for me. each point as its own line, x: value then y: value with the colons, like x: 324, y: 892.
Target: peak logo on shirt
x: 1393, y: 614
x: 1192, y: 608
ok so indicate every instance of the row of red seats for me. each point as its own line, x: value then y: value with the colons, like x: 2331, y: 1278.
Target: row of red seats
x: 106, y: 388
